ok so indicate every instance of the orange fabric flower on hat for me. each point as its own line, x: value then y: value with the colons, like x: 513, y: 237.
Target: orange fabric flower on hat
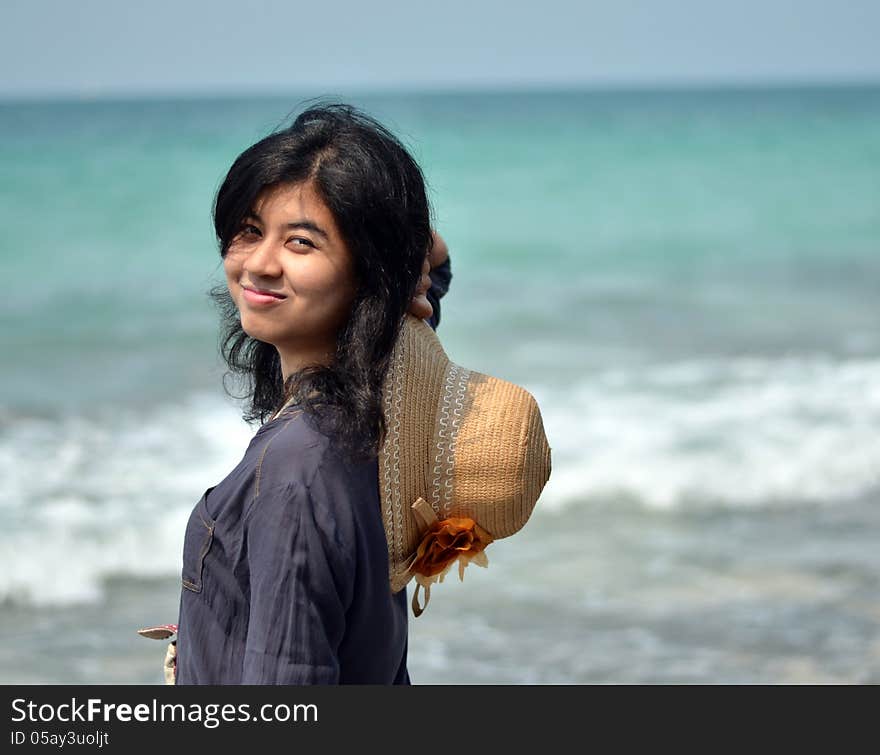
x: 444, y: 542
x: 447, y: 540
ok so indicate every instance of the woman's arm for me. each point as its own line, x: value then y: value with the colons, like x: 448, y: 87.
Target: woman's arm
x: 300, y: 591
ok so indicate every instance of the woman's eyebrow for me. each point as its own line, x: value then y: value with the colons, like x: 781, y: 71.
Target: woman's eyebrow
x: 305, y: 224
x: 308, y: 225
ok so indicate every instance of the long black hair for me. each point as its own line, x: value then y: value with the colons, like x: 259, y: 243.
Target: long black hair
x: 376, y: 193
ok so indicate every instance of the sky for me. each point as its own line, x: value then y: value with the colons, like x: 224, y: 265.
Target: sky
x: 95, y: 48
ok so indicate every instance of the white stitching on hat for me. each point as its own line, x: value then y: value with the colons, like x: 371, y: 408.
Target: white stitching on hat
x: 441, y: 459
x: 460, y: 390
x: 454, y: 389
x: 394, y: 402
x: 386, y: 453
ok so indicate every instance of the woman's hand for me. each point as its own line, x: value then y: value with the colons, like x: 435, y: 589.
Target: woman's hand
x: 436, y: 255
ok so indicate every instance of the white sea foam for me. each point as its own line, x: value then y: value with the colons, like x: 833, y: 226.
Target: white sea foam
x: 87, y: 499
x: 743, y: 432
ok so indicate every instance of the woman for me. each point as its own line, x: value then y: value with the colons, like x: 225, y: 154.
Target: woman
x: 324, y: 229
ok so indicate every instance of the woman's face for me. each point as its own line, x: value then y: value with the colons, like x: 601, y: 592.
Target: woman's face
x: 290, y: 249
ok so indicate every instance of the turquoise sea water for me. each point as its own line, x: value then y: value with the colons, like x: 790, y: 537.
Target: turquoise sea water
x: 687, y: 282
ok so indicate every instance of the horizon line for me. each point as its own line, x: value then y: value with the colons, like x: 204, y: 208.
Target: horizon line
x: 531, y: 88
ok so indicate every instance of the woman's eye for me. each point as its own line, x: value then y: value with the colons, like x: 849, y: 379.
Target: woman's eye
x: 248, y: 232
x: 297, y: 241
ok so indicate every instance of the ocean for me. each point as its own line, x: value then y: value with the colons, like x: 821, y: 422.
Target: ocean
x: 687, y: 281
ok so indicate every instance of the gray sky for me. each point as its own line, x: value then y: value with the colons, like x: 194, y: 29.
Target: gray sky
x: 119, y: 47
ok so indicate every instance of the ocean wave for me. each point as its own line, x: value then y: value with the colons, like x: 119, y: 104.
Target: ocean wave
x: 85, y: 499
x: 88, y: 498
x: 733, y: 432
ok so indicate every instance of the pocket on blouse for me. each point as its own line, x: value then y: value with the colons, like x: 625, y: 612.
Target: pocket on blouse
x: 197, y: 543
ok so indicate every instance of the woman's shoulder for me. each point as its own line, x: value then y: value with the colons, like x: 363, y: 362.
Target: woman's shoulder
x: 291, y: 449
x: 297, y: 453
x: 302, y: 477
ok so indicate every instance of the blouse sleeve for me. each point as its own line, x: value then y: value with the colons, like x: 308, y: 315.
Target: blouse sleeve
x: 441, y: 276
x: 299, y: 585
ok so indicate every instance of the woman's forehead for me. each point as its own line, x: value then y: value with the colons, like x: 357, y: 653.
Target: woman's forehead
x: 285, y: 195
x: 297, y: 205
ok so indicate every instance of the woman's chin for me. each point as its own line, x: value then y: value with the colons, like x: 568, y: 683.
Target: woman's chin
x: 256, y: 332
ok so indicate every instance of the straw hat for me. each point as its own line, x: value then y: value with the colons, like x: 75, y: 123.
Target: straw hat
x: 464, y: 460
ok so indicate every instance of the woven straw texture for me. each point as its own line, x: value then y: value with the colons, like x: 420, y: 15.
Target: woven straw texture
x: 469, y: 444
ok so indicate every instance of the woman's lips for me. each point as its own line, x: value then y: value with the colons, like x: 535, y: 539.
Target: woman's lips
x: 257, y: 297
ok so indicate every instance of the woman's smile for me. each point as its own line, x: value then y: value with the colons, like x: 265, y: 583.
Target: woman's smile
x: 261, y: 298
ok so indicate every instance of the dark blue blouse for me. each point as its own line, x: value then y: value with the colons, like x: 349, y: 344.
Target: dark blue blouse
x: 285, y: 566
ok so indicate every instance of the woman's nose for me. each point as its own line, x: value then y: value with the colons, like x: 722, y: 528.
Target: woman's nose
x: 263, y: 260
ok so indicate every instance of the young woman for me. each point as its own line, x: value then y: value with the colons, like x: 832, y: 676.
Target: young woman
x: 324, y: 230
